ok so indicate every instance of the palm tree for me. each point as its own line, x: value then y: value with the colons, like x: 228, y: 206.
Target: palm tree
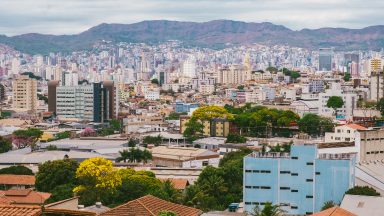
x: 268, y: 210
x: 146, y: 156
x: 327, y: 205
x: 124, y: 156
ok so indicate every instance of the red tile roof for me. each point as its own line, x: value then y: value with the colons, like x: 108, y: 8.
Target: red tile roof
x: 335, y: 211
x: 16, y: 210
x: 17, y: 179
x: 356, y: 127
x: 25, y: 196
x: 150, y: 206
x: 179, y: 184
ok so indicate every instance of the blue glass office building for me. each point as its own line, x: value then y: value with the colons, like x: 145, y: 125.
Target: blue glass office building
x: 300, y: 182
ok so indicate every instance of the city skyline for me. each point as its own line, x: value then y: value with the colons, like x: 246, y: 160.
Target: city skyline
x: 75, y: 16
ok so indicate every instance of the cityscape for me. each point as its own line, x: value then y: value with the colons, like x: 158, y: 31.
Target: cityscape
x: 173, y: 115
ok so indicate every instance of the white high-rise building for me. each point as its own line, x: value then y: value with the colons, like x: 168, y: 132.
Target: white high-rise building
x: 15, y: 66
x: 75, y: 102
x: 189, y: 68
x: 349, y: 98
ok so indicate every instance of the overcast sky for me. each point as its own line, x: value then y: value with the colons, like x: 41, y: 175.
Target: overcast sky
x: 75, y: 16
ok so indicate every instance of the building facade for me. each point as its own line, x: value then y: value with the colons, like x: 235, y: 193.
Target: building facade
x: 300, y: 181
x: 25, y: 93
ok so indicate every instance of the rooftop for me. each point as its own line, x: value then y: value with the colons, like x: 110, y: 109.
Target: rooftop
x: 8, y: 179
x: 13, y: 210
x: 150, y: 206
x: 363, y: 205
x: 335, y: 211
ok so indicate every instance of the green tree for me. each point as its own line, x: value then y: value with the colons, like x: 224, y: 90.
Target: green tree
x: 42, y: 97
x: 268, y: 210
x: 156, y: 140
x: 235, y: 138
x: 5, y: 145
x: 240, y: 87
x: 28, y: 137
x: 271, y: 69
x: 380, y: 106
x: 328, y: 205
x: 167, y: 213
x: 115, y: 125
x: 132, y: 142
x: 193, y: 130
x: 155, y: 81
x: 210, y: 112
x: 169, y: 192
x: 54, y: 173
x: 16, y: 170
x: 335, y: 102
x: 51, y: 148
x: 313, y: 124
x: 61, y: 192
x: 363, y: 190
x: 63, y: 135
x: 347, y: 77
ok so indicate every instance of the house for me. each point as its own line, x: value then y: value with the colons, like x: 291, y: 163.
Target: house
x: 150, y: 206
x: 164, y: 156
x: 335, y: 211
x: 17, y: 181
x: 23, y: 210
x: 363, y: 205
x: 25, y: 196
x: 344, y: 133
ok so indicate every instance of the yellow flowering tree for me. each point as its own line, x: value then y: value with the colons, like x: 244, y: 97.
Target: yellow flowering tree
x: 210, y: 112
x: 96, y: 176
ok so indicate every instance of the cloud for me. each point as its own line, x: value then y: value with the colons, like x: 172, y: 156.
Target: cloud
x: 74, y: 16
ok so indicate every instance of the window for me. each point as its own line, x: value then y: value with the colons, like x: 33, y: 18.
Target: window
x: 308, y: 213
x: 317, y: 173
x: 256, y: 171
x: 338, y: 131
x: 285, y: 172
x: 347, y: 139
x: 310, y: 163
x: 285, y: 188
x: 256, y: 187
x: 265, y: 187
x: 294, y: 191
x: 309, y: 196
x: 337, y: 138
x: 294, y: 207
x: 294, y: 158
x: 248, y: 187
x: 265, y: 171
x: 248, y: 171
x: 255, y: 203
x: 205, y: 163
x: 309, y: 180
x: 348, y: 131
x: 247, y: 203
x: 294, y: 174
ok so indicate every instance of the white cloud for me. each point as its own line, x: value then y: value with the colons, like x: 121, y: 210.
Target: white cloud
x: 74, y: 16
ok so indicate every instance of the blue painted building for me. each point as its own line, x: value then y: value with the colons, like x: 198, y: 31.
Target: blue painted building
x: 185, y: 107
x: 300, y: 181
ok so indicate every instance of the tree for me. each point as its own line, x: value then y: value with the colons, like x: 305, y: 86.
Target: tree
x: 313, y: 124
x: 54, y: 173
x: 43, y: 98
x: 51, y: 148
x: 88, y: 132
x: 268, y: 210
x: 235, y: 138
x: 132, y: 142
x: 210, y: 112
x: 28, y: 137
x: 271, y: 69
x: 16, y: 170
x: 335, y: 102
x: 156, y: 140
x: 347, y: 77
x: 363, y: 190
x: 61, y: 192
x: 380, y: 106
x: 167, y: 213
x: 155, y: 81
x: 63, y: 135
x: 328, y: 205
x: 115, y: 125
x: 169, y: 192
x: 240, y: 87
x: 366, y: 106
x: 96, y: 177
x: 5, y: 145
x: 193, y: 130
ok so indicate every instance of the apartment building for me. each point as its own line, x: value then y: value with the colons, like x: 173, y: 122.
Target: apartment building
x: 300, y: 181
x: 24, y: 93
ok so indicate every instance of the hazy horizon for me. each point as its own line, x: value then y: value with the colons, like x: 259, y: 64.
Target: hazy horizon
x: 75, y: 16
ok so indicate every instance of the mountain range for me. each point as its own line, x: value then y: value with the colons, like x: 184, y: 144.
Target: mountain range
x: 212, y: 34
